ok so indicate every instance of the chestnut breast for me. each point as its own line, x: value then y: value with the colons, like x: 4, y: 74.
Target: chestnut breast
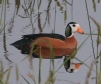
x: 59, y: 47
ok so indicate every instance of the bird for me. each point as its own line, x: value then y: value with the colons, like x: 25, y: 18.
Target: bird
x: 71, y: 67
x: 44, y: 44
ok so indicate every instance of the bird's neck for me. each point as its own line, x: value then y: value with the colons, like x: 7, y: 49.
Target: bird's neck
x: 70, y: 35
x: 71, y: 42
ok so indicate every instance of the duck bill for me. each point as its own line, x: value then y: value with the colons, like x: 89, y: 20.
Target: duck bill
x: 77, y: 65
x: 79, y: 30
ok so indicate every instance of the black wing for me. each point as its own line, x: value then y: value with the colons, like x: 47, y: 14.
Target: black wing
x: 34, y: 36
x: 27, y: 39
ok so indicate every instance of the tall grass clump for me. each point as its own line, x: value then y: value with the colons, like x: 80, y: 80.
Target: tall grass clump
x: 4, y: 74
x: 98, y: 51
x: 51, y: 78
x: 98, y: 41
x: 2, y: 15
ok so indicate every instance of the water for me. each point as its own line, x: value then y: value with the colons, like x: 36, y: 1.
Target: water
x: 10, y: 56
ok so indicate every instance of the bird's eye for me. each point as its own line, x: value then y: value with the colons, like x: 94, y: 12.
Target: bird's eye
x: 73, y: 25
x: 72, y: 70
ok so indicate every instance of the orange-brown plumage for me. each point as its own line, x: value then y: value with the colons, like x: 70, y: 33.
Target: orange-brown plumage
x: 60, y: 48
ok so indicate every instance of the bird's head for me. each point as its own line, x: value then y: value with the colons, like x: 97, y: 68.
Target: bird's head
x: 73, y: 67
x: 71, y: 28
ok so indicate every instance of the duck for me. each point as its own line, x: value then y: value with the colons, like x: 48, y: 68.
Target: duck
x: 70, y: 66
x: 43, y: 44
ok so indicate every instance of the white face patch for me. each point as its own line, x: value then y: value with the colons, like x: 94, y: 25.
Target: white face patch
x: 75, y: 70
x: 74, y: 27
x: 72, y: 67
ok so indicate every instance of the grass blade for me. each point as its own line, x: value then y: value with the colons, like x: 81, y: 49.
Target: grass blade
x: 17, y: 73
x: 8, y: 76
x: 98, y: 1
x: 25, y: 79
x: 89, y: 72
x: 94, y: 5
x: 40, y: 61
